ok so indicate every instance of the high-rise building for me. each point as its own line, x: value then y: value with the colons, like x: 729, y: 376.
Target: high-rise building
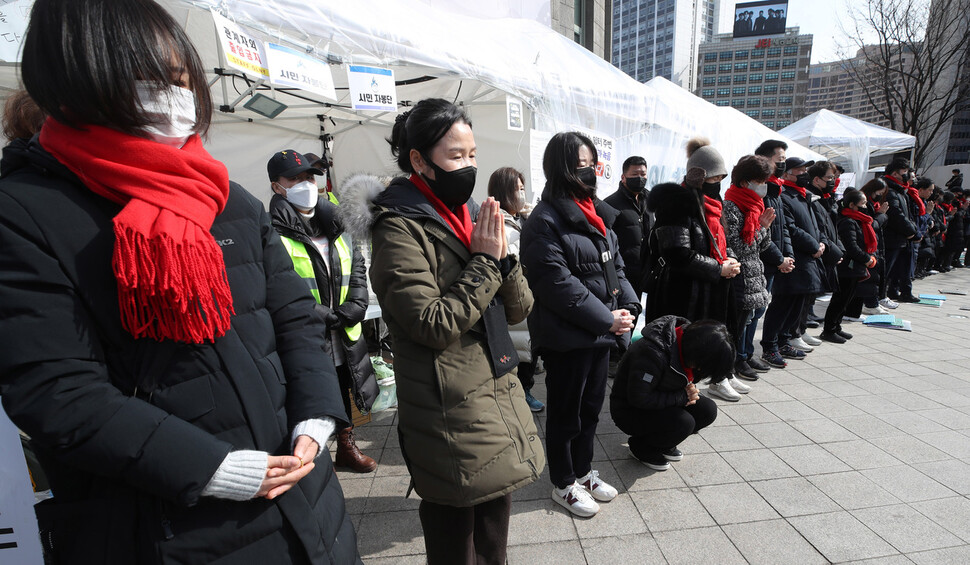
x: 654, y: 38
x: 587, y: 22
x: 832, y: 86
x: 766, y: 78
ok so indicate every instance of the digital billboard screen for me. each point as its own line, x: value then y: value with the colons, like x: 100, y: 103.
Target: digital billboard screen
x: 765, y: 17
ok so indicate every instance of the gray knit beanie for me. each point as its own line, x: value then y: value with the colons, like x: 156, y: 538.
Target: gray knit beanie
x: 701, y: 154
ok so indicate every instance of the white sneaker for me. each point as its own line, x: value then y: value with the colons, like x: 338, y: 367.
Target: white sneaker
x: 799, y: 344
x: 874, y: 311
x: 889, y: 303
x: 933, y: 272
x: 596, y: 487
x: 738, y: 386
x: 576, y: 499
x: 724, y: 391
x: 853, y: 318
x: 811, y: 340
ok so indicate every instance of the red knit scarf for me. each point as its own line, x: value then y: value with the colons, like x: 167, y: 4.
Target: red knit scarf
x: 712, y: 214
x: 679, y: 332
x: 459, y: 220
x: 795, y: 186
x: 914, y: 194
x: 948, y: 208
x: 867, y: 231
x: 751, y: 205
x: 586, y: 206
x: 170, y: 271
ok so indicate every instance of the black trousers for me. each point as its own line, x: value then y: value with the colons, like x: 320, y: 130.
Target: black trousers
x: 840, y: 301
x: 899, y: 263
x: 575, y: 389
x: 474, y: 535
x: 344, y: 379
x: 782, y: 315
x: 655, y: 431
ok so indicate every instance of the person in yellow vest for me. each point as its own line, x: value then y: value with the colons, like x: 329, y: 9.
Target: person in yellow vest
x: 333, y: 268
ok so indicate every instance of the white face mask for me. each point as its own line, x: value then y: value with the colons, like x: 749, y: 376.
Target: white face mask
x: 759, y: 189
x: 171, y: 111
x: 303, y: 195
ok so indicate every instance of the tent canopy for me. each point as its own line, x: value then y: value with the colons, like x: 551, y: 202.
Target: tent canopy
x: 846, y: 140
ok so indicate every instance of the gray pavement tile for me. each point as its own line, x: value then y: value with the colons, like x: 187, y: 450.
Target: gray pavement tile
x: 911, y: 401
x: 747, y: 413
x: 823, y: 430
x: 355, y: 493
x: 897, y: 559
x: 758, y: 464
x: 907, y: 484
x: 952, y: 514
x: 771, y: 542
x: 387, y: 494
x: 777, y: 434
x: 860, y: 454
x: 671, y: 509
x: 391, y: 463
x: 912, y: 423
x: 951, y: 473
x: 700, y: 546
x: 810, y: 459
x: 948, y: 556
x: 880, y: 386
x: 729, y: 438
x: 789, y: 376
x: 696, y: 444
x: 905, y: 528
x: 792, y: 410
x: 839, y: 536
x: 909, y: 449
x: 614, y: 445
x: 705, y: 469
x: 389, y: 534
x: 419, y: 559
x: 915, y: 384
x: 735, y: 503
x: 866, y: 426
x: 370, y: 437
x: 564, y: 553
x: 794, y: 496
x: 953, y: 443
x: 852, y: 490
x: 805, y: 391
x: 638, y: 548
x: 949, y: 417
x: 540, y: 521
x: 615, y: 518
x: 763, y: 392
x: 636, y: 476
x: 819, y: 359
x: 842, y: 389
x: 874, y: 404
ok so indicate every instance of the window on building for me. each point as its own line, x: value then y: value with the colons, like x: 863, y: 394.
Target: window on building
x: 737, y: 103
x: 709, y: 68
x: 754, y: 90
x: 757, y: 65
x: 740, y: 79
x: 754, y: 102
x: 784, y: 112
x: 787, y: 89
x: 770, y: 101
x: 723, y: 92
x: 741, y: 54
x: 752, y: 113
x: 726, y: 56
x: 758, y: 53
x: 724, y: 67
x: 754, y: 77
x: 710, y: 57
x: 738, y: 91
x: 724, y: 79
x: 771, y: 89
x: 791, y: 50
x: 769, y: 124
x: 783, y: 123
x: 816, y: 83
x: 707, y: 93
x: 710, y: 81
x: 771, y: 76
x: 767, y: 113
x: 722, y: 103
x: 783, y: 100
x: 789, y: 63
x: 787, y: 75
x: 773, y: 51
x: 740, y: 66
x: 773, y: 64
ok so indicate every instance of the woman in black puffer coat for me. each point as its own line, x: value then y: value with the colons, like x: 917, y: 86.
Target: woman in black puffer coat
x: 858, y: 239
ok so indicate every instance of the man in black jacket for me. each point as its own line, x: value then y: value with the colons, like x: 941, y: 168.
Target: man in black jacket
x: 900, y: 230
x: 632, y: 225
x: 333, y: 268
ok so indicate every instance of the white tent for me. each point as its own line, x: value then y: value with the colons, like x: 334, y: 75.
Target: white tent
x: 847, y: 141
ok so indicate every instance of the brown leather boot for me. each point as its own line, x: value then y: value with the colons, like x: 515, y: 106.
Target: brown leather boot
x: 349, y: 455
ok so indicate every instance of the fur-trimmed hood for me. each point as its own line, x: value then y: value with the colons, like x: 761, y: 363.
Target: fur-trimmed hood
x: 357, y: 195
x: 672, y: 202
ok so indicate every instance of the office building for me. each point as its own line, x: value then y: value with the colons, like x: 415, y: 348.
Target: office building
x: 587, y: 22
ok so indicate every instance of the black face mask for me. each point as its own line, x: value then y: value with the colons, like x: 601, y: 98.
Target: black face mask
x: 829, y: 185
x: 711, y: 189
x: 905, y: 177
x: 802, y: 180
x: 779, y: 169
x: 587, y: 176
x: 636, y: 184
x: 453, y: 188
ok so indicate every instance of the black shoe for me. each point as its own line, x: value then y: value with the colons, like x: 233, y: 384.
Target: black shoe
x: 758, y: 365
x: 656, y: 461
x: 813, y: 318
x: 908, y: 298
x: 744, y: 371
x: 673, y: 454
x: 831, y: 337
x: 844, y: 335
x: 789, y: 352
x: 811, y: 324
x: 774, y: 359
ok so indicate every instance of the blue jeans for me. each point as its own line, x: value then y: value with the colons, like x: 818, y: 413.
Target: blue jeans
x: 746, y: 341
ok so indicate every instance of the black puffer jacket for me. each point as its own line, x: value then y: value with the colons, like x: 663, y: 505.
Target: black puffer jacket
x: 563, y: 259
x: 780, y: 247
x: 826, y: 212
x: 803, y: 228
x: 631, y: 225
x: 290, y: 223
x: 131, y: 431
x: 684, y: 279
x: 650, y: 375
x: 852, y: 236
x: 901, y: 224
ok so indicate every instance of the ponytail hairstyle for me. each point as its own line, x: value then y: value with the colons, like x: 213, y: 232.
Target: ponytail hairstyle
x: 421, y: 128
x: 851, y: 196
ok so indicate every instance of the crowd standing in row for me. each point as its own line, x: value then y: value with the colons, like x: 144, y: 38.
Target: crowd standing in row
x: 180, y: 357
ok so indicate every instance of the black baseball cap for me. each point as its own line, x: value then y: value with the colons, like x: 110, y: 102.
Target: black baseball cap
x: 288, y: 164
x: 795, y: 162
x: 316, y: 161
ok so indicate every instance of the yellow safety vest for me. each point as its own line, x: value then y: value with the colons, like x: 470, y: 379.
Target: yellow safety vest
x: 304, y: 267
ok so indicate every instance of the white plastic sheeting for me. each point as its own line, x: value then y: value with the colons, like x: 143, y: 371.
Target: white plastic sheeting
x: 847, y: 141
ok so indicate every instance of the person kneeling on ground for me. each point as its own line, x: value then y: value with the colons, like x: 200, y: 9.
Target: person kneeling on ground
x: 655, y: 398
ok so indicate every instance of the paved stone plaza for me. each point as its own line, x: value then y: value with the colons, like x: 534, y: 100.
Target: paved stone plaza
x: 860, y: 453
